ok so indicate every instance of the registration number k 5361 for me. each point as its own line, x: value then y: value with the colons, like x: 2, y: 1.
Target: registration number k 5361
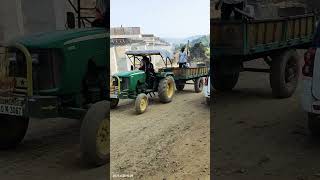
x: 11, y: 110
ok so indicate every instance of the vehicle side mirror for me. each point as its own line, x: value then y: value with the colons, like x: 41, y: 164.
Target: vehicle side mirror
x: 131, y: 67
x: 71, y: 20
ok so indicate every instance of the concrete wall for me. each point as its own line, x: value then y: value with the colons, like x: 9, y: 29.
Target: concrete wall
x: 11, y: 20
x: 43, y: 16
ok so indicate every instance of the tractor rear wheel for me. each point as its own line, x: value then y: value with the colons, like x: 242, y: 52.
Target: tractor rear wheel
x: 94, y: 134
x: 141, y: 103
x: 198, y: 85
x: 114, y: 103
x: 166, y: 89
x: 12, y: 130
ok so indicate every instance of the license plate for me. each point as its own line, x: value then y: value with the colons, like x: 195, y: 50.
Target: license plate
x: 11, y: 110
x: 113, y: 96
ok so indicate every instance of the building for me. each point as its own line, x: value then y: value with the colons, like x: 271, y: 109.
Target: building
x: 31, y: 16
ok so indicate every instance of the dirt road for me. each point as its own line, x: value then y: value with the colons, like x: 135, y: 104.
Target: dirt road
x: 259, y: 137
x: 168, y: 141
x: 50, y: 151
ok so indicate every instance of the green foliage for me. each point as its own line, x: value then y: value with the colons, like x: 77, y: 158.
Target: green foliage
x: 199, y: 52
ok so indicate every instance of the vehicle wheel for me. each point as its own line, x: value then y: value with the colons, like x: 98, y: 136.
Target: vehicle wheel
x: 166, y: 89
x: 12, y: 130
x: 208, y: 101
x: 94, y: 134
x: 314, y: 124
x: 198, y: 85
x: 225, y: 82
x: 141, y: 103
x: 284, y: 74
x: 114, y: 103
x: 180, y: 85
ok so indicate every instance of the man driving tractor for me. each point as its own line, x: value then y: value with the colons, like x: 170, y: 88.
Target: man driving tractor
x: 147, y: 67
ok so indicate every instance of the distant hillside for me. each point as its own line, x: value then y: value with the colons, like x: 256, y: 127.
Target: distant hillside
x: 205, y: 40
x: 178, y: 41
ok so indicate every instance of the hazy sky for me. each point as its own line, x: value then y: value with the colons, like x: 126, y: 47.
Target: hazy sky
x: 164, y: 18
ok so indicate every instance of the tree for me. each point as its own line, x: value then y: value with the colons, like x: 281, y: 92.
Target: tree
x: 198, y: 52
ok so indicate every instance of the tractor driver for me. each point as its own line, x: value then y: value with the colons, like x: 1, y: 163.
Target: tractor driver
x: 147, y: 67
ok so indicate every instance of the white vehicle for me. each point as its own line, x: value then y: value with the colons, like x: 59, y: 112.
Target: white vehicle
x: 206, y: 89
x: 311, y: 85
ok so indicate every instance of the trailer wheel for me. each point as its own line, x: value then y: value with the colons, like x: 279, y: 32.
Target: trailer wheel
x: 166, y: 89
x: 114, y: 103
x: 12, y: 130
x: 141, y: 103
x: 284, y: 74
x: 198, y: 85
x: 94, y: 134
x: 314, y: 124
x: 180, y: 87
x: 225, y: 82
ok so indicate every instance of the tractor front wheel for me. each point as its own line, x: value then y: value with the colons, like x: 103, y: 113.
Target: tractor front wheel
x: 141, y: 103
x: 94, y: 134
x: 12, y: 130
x: 166, y: 89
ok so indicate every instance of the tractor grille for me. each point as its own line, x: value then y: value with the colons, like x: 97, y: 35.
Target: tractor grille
x: 46, y: 67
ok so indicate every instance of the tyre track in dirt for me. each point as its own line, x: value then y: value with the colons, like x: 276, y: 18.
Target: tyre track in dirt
x: 168, y: 141
x: 49, y: 151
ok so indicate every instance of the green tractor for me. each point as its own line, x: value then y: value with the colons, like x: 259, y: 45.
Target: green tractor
x: 137, y: 84
x: 58, y: 74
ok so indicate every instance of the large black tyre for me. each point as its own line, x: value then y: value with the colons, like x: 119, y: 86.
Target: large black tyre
x: 12, y: 130
x: 180, y: 85
x: 198, y: 85
x: 166, y: 89
x: 141, y: 103
x: 314, y: 124
x: 114, y: 103
x: 225, y: 82
x: 94, y: 134
x: 284, y: 76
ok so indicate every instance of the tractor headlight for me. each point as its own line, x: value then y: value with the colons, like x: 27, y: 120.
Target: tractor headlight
x: 12, y: 56
x: 35, y: 58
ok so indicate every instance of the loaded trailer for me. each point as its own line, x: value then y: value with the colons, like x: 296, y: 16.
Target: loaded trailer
x: 274, y: 40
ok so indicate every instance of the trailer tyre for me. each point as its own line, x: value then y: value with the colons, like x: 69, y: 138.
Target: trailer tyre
x: 198, y: 85
x: 94, y: 134
x: 114, y: 103
x: 12, y: 130
x: 314, y: 124
x: 166, y: 89
x: 284, y: 74
x: 225, y: 82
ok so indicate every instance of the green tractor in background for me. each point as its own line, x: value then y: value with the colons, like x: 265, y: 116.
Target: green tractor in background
x: 58, y: 74
x: 137, y: 84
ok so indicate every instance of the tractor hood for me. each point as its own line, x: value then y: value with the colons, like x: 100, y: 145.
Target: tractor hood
x: 57, y: 39
x: 129, y: 73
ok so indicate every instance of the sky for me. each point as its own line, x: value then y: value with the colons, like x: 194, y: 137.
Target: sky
x: 163, y: 18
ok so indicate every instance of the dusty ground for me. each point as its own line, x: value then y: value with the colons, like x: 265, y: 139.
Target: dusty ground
x: 259, y: 137
x: 50, y: 151
x: 168, y: 141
